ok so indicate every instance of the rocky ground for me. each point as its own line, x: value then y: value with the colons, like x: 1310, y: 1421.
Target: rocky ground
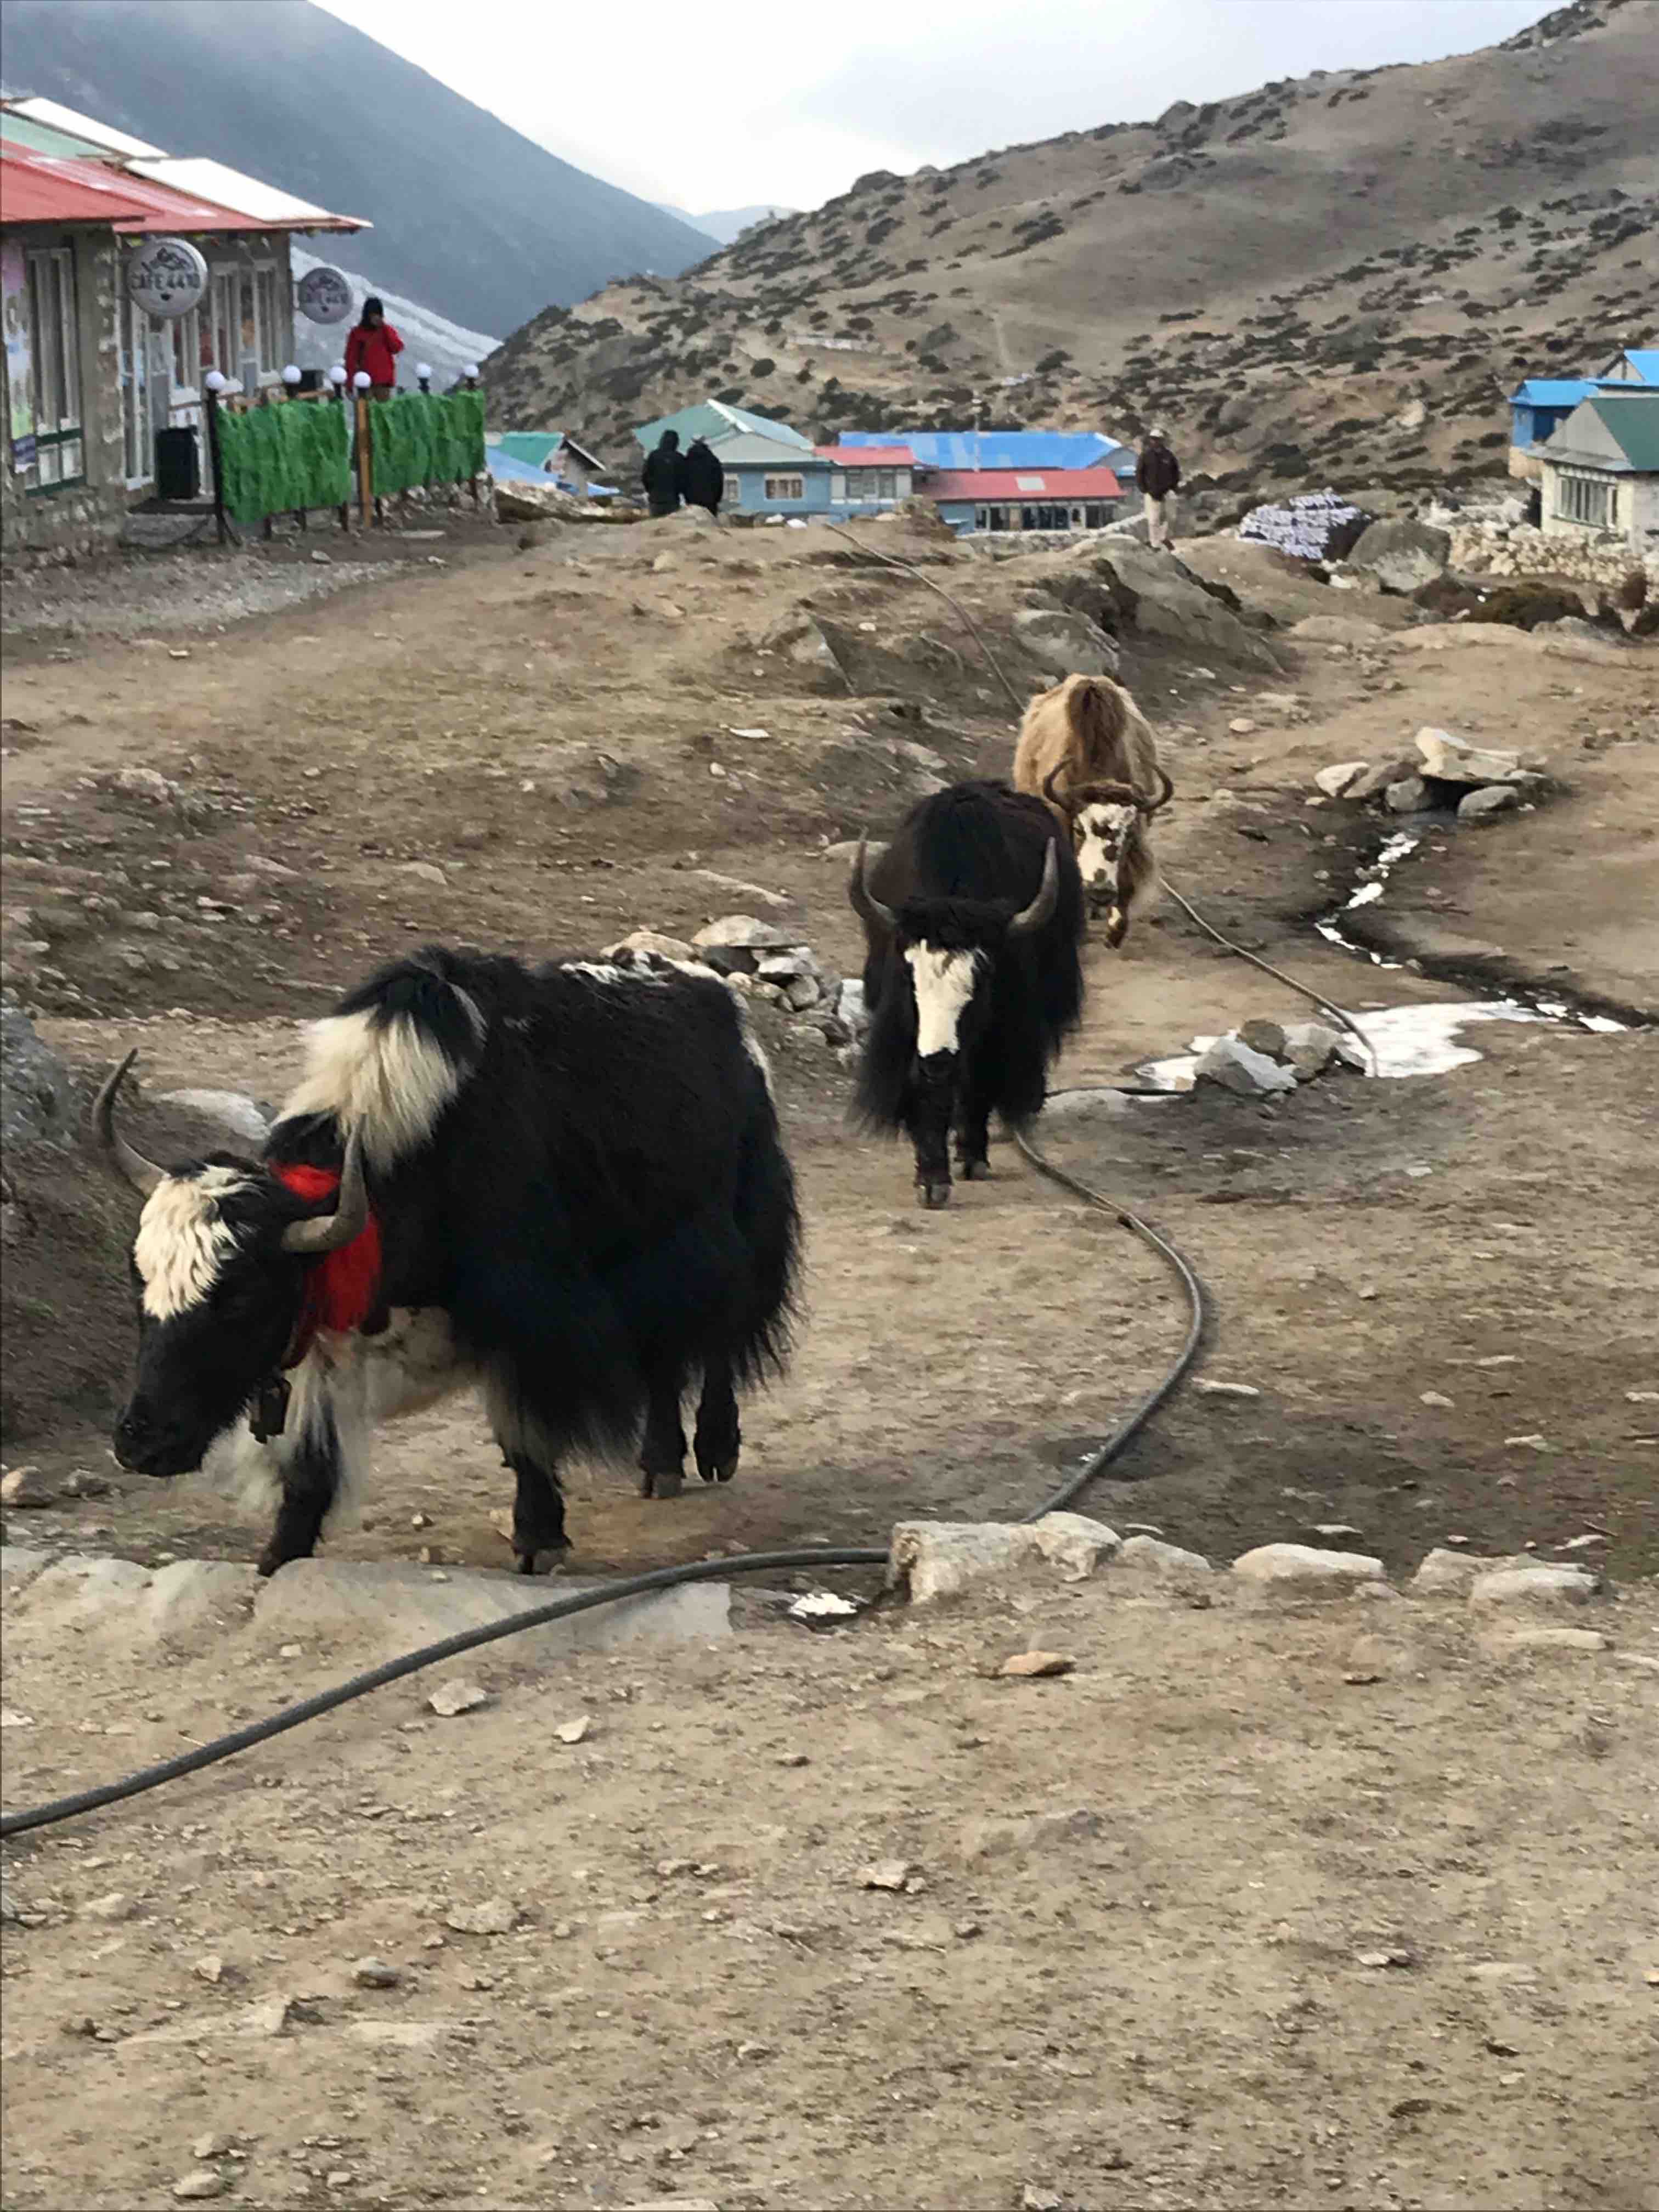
x: 1429, y: 1293
x: 1334, y: 278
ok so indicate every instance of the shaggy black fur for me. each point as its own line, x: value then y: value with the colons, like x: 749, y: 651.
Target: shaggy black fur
x: 961, y: 866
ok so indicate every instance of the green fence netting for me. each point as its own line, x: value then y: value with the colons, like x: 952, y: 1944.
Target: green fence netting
x: 277, y: 459
x: 426, y: 438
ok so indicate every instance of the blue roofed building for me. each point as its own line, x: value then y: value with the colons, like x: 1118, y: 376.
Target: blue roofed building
x: 1537, y: 407
x: 543, y: 457
x: 1636, y: 365
x: 973, y: 450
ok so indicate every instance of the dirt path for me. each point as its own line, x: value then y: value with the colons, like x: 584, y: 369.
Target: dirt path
x: 1438, y: 1286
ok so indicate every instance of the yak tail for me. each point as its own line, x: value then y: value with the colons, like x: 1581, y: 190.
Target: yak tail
x: 1099, y: 723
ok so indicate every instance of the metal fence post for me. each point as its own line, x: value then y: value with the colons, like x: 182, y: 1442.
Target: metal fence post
x: 213, y: 385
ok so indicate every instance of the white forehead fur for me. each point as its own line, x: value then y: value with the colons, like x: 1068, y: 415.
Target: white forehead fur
x: 183, y: 1239
x: 1102, y: 830
x: 943, y: 985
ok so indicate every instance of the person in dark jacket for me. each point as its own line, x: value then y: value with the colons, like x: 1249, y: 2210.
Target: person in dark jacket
x: 704, y: 479
x: 664, y: 473
x: 373, y: 346
x: 1158, y: 472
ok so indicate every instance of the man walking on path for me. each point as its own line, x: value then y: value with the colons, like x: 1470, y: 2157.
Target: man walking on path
x: 703, y: 480
x: 1158, y: 474
x: 663, y: 474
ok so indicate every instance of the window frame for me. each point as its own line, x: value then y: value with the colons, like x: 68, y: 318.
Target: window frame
x: 731, y: 490
x: 65, y: 434
x: 1577, y: 492
x: 777, y: 487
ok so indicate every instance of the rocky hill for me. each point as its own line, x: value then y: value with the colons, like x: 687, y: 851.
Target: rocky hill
x: 469, y: 216
x: 1334, y: 274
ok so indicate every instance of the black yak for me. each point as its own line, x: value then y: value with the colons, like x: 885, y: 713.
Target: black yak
x: 564, y: 1184
x: 972, y: 918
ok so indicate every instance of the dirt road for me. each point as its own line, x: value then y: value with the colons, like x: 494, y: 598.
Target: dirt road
x: 1437, y: 1286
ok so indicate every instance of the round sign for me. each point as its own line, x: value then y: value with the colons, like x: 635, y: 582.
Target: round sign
x: 323, y: 295
x: 168, y: 277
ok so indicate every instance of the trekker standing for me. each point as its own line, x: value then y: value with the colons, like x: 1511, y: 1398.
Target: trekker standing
x: 1158, y: 474
x: 664, y: 473
x: 373, y: 346
x: 704, y: 479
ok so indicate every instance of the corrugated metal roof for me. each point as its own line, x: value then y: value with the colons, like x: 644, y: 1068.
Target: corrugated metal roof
x: 270, y: 209
x: 867, y: 457
x: 1633, y: 422
x: 40, y: 138
x: 1014, y: 485
x: 37, y: 188
x: 56, y: 117
x: 1553, y: 391
x: 1645, y: 360
x: 720, y: 422
x: 535, y: 448
x: 995, y: 449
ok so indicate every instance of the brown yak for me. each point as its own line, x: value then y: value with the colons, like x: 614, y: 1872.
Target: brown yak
x: 1087, y: 749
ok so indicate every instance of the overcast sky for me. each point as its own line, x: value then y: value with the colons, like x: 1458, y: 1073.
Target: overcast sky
x: 729, y: 107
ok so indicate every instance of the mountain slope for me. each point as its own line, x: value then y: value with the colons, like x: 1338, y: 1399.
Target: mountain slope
x: 727, y: 224
x: 469, y: 216
x: 1283, y: 274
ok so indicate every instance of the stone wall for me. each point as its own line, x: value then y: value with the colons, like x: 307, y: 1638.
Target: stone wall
x: 70, y: 522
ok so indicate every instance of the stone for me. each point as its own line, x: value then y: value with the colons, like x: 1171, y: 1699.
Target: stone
x: 1554, y: 1640
x: 1488, y: 802
x: 1237, y: 1068
x: 188, y: 1599
x: 744, y: 933
x: 1338, y: 629
x: 1303, y: 1571
x: 496, y: 1916
x: 201, y: 2183
x: 1211, y: 1389
x: 1065, y: 643
x: 1402, y: 554
x: 1013, y: 1837
x: 428, y: 871
x: 932, y: 1559
x: 851, y: 1007
x: 1449, y: 759
x: 1335, y: 780
x: 392, y: 1606
x: 37, y: 1097
x: 1308, y: 1047
x: 114, y: 1904
x: 576, y: 1731
x: 234, y: 1110
x: 650, y: 940
x: 885, y: 1874
x: 1375, y: 782
x: 1037, y: 2197
x: 1449, y: 1574
x: 25, y: 1485
x: 450, y: 1699
x: 1154, y: 592
x: 1410, y: 795
x: 1036, y: 1666
x: 212, y: 2146
x: 1149, y: 1555
x: 374, y: 1974
x: 1543, y: 1585
x: 209, y: 1968
x: 1263, y: 1036
x: 1240, y: 726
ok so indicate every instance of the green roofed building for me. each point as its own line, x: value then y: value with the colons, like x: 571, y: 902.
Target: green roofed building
x: 1601, y: 469
x: 720, y: 425
x: 553, y: 454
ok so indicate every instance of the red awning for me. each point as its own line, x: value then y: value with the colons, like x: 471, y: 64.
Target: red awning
x: 1011, y: 487
x: 42, y: 188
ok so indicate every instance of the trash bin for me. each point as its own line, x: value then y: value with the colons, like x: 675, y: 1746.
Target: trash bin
x: 178, y: 463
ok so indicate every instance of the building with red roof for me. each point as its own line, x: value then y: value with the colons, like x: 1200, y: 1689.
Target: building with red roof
x: 1024, y: 499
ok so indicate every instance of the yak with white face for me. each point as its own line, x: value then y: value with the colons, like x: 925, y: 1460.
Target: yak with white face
x: 1086, y: 748
x: 972, y: 918
x: 564, y: 1185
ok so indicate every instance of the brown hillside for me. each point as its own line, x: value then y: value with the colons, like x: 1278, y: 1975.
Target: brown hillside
x: 1282, y: 274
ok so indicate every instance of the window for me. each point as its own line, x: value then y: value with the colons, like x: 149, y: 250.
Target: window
x: 271, y: 319
x: 185, y: 338
x: 54, y: 344
x: 784, y: 488
x: 1586, y: 500
x: 838, y: 486
x: 886, y: 483
x: 733, y: 493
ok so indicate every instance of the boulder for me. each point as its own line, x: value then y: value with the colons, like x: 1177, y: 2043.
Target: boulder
x: 1540, y: 1586
x: 1303, y: 1571
x: 1237, y: 1068
x: 1402, y: 554
x: 932, y: 1559
x: 1307, y: 1047
x: 1452, y: 1574
x: 1488, y: 802
x: 1262, y: 1036
x: 1152, y: 592
x: 650, y: 940
x: 1375, y: 779
x: 1336, y: 781
x: 1338, y: 629
x: 743, y: 933
x: 1410, y: 795
x: 1065, y: 643
x: 1149, y: 1555
x: 37, y: 1099
x: 1454, y: 760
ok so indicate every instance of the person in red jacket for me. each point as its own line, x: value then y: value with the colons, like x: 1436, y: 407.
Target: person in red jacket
x: 373, y: 346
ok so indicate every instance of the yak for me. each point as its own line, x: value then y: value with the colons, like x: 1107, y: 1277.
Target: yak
x: 972, y: 918
x: 1087, y: 749
x: 563, y: 1184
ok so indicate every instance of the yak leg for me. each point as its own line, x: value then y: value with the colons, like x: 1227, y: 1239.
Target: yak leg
x: 538, y: 1511
x: 929, y: 1121
x: 1137, y: 883
x: 973, y: 1129
x: 719, y: 1435
x: 311, y: 1478
x: 662, y: 1451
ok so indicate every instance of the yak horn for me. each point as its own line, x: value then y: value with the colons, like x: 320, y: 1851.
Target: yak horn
x: 1033, y: 916
x: 143, y: 1175
x: 866, y: 904
x: 327, y: 1232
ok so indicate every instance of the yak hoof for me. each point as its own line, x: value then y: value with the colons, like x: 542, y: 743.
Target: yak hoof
x: 662, y: 1482
x: 717, y: 1470
x: 529, y: 1562
x: 977, y: 1170
x: 932, y: 1196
